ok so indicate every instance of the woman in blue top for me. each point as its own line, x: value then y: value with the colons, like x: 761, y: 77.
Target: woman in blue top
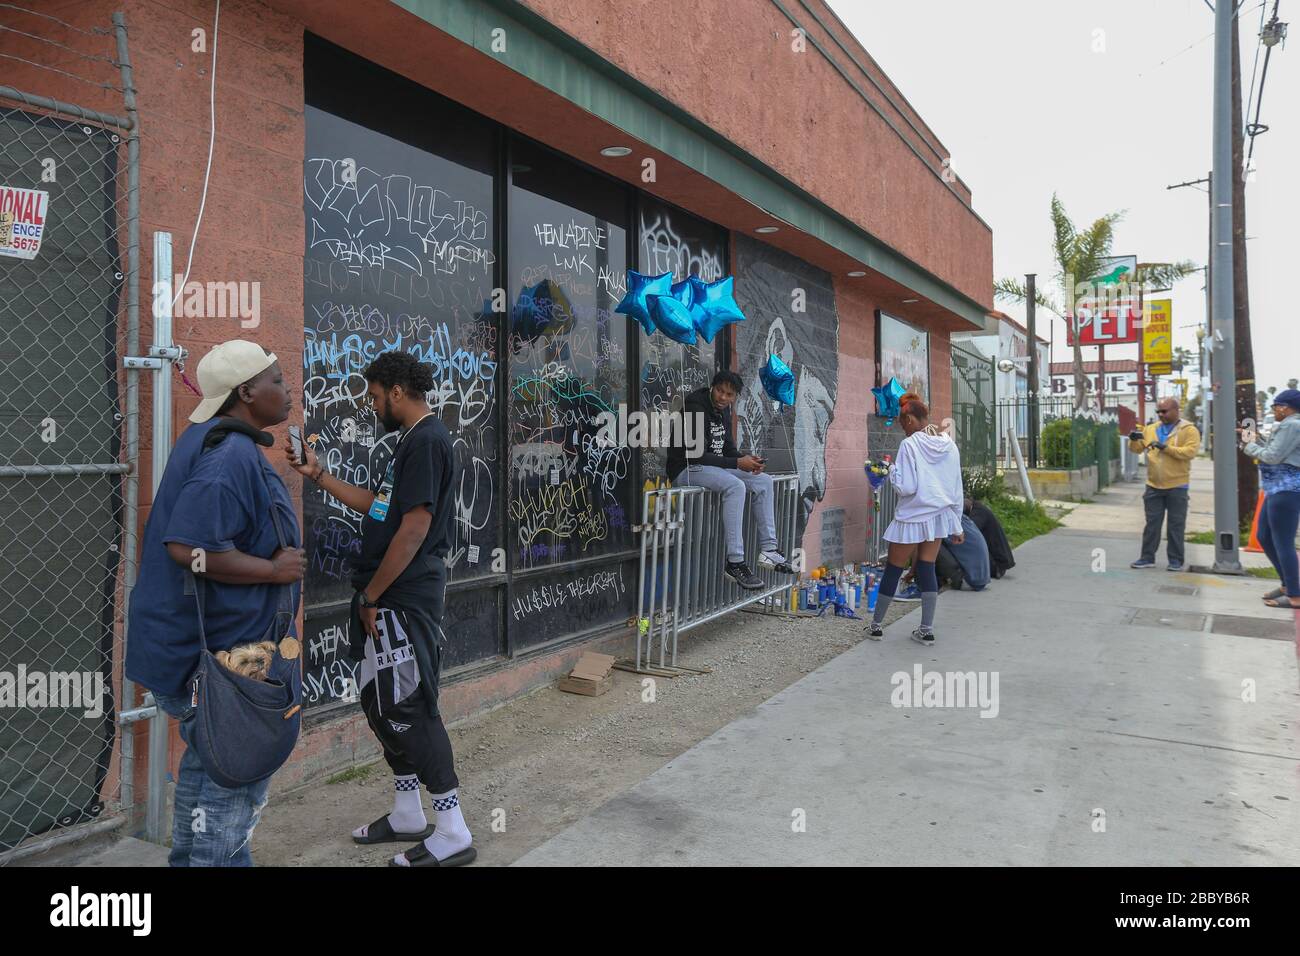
x: 212, y: 515
x: 1279, y: 476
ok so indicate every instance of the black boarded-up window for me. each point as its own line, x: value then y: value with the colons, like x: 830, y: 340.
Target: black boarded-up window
x: 790, y: 307
x: 400, y: 255
x: 568, y: 494
x: 669, y: 240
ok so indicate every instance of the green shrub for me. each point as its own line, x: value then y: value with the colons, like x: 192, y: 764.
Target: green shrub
x: 982, y: 485
x: 1056, y: 443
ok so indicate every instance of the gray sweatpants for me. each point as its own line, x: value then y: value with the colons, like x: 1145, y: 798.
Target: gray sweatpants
x: 1159, y: 502
x: 732, y: 483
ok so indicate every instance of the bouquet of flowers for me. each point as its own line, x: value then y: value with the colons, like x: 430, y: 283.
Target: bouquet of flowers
x: 877, y: 471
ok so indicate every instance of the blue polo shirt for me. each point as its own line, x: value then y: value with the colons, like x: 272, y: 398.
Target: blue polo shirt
x: 216, y: 500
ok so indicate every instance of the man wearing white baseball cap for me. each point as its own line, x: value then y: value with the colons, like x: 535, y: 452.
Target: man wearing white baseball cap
x: 223, y: 513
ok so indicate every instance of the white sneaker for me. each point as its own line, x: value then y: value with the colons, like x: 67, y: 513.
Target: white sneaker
x: 775, y: 559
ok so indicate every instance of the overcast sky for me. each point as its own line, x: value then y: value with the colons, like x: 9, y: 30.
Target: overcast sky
x: 1015, y: 91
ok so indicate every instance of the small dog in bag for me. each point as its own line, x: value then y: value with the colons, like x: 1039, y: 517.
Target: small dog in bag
x: 248, y: 660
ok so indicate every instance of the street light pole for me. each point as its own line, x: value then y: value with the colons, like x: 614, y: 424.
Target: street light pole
x: 1203, y: 347
x: 1031, y: 324
x: 1222, y: 339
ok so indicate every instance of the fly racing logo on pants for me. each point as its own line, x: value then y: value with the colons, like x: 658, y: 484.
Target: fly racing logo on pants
x: 76, y: 909
x: 399, y: 728
x: 390, y: 660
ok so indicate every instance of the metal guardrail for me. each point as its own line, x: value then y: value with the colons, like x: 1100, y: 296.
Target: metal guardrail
x: 878, y: 521
x: 682, y: 583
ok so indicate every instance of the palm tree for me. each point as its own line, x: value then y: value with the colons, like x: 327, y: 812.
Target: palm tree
x: 1079, y: 256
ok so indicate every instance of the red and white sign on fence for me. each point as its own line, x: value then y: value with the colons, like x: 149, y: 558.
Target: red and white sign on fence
x: 22, y: 221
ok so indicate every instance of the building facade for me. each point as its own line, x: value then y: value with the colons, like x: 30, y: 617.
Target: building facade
x: 1118, y: 381
x: 469, y: 181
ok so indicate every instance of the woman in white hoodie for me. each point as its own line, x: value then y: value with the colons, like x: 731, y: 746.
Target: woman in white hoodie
x: 927, y: 476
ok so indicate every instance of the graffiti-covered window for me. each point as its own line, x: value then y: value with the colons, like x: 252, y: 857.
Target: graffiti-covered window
x: 398, y: 189
x: 569, y: 492
x: 669, y: 240
x: 791, y: 313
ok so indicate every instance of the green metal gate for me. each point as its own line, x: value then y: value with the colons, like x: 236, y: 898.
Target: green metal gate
x: 973, y: 401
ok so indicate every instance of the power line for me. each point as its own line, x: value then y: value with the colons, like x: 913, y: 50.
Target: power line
x: 1270, y: 36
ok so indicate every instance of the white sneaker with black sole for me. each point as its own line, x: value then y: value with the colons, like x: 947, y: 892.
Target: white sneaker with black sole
x: 875, y: 632
x: 776, y: 560
x: 923, y: 637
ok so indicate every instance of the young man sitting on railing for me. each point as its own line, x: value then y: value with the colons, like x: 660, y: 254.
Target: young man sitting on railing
x: 723, y: 469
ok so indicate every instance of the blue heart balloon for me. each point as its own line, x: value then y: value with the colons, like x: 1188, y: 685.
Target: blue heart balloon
x: 635, y: 302
x: 717, y: 306
x: 672, y: 318
x: 778, y: 380
x: 887, y: 397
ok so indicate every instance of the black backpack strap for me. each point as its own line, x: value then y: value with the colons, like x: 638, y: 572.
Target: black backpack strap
x: 194, y: 583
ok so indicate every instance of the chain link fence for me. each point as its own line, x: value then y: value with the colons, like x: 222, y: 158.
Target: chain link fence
x: 67, y: 445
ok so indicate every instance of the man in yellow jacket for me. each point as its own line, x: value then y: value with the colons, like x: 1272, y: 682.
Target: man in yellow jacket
x: 1170, y: 445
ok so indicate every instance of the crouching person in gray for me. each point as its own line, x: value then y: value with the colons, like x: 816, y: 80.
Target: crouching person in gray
x: 720, y: 467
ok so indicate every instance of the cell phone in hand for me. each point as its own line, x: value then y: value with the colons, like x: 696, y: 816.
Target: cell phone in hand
x: 1135, y: 435
x: 299, y: 448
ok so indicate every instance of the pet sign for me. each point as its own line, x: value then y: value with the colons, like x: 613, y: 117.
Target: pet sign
x: 22, y: 221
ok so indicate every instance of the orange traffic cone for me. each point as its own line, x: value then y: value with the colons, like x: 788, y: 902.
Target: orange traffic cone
x: 1253, y: 544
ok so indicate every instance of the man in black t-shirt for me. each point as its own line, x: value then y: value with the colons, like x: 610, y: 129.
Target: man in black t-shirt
x: 396, y: 630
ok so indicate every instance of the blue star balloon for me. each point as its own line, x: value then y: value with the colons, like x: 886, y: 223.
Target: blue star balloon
x: 778, y: 380
x: 639, y: 287
x: 717, y: 307
x: 690, y: 293
x: 672, y: 318
x: 887, y: 397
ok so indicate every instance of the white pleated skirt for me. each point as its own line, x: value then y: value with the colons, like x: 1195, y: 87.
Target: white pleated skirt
x: 938, y: 525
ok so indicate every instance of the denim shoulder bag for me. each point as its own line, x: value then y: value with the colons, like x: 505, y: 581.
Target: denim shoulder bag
x: 245, y: 729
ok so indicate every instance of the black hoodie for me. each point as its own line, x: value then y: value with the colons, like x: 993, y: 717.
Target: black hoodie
x: 718, y: 448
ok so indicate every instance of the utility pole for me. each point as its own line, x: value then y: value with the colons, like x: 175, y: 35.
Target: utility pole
x: 1226, y: 558
x: 1202, y: 362
x: 1244, y: 356
x: 1031, y: 325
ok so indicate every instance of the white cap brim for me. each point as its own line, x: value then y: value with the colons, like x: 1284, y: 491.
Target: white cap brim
x: 207, y: 408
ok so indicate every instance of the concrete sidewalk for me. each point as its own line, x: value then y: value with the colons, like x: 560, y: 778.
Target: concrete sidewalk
x: 1121, y: 735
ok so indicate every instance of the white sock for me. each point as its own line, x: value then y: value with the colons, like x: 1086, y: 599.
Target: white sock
x: 407, y: 815
x: 451, y: 834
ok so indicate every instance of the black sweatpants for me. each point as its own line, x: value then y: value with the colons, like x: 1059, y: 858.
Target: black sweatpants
x: 399, y: 699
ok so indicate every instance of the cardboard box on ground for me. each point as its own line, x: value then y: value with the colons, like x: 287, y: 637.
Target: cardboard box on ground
x: 590, y: 676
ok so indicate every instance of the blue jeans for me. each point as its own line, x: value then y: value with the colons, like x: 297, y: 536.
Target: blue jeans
x: 1277, y: 526
x: 732, y: 483
x: 211, y: 825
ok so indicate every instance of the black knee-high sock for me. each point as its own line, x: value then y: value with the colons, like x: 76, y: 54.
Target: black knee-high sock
x: 929, y: 584
x: 888, y: 586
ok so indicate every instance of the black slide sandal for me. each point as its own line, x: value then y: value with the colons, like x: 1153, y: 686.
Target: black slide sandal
x: 381, y: 831
x: 419, y: 855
